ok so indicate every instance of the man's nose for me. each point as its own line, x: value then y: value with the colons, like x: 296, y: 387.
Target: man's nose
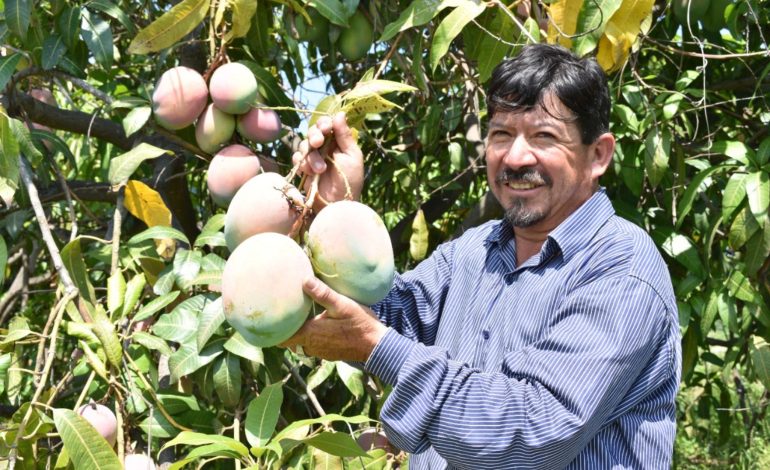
x: 520, y: 154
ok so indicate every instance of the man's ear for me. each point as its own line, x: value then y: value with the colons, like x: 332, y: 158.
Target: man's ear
x: 601, y: 154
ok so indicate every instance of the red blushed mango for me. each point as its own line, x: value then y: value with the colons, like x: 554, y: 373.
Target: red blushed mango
x: 233, y: 88
x: 350, y: 248
x: 262, y: 204
x: 260, y: 125
x: 179, y: 98
x: 230, y: 168
x: 262, y: 292
x: 214, y: 129
x: 102, y: 419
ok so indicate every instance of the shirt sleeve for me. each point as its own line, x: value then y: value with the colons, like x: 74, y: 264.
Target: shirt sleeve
x: 547, y: 401
x: 413, y: 306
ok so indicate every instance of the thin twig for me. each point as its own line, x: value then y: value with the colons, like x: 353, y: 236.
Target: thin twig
x: 311, y: 396
x: 53, y: 250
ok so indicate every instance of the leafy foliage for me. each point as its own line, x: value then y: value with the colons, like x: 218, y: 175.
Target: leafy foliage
x: 111, y: 251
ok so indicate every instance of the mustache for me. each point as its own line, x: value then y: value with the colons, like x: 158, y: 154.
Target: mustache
x: 527, y: 175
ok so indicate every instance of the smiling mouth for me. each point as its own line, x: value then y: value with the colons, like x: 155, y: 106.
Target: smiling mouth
x: 521, y: 185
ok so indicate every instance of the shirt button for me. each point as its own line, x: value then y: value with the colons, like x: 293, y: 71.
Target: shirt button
x: 485, y: 334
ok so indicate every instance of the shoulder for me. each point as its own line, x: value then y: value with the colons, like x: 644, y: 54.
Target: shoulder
x: 625, y: 249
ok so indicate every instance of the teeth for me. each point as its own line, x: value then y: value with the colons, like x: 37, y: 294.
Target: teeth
x: 521, y: 185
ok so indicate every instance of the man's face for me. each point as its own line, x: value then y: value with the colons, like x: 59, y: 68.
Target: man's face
x: 538, y: 167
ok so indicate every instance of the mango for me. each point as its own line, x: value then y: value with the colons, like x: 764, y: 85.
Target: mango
x: 350, y: 249
x: 179, y: 98
x: 317, y: 33
x: 214, y: 129
x: 355, y: 41
x: 261, y: 205
x: 102, y: 419
x: 262, y: 294
x: 230, y: 168
x: 233, y: 88
x: 138, y: 462
x: 259, y: 125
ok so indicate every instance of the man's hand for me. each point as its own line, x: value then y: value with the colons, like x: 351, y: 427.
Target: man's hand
x: 341, y: 155
x: 345, y: 331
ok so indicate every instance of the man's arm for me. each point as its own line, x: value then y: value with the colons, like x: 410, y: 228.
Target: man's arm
x: 549, y: 399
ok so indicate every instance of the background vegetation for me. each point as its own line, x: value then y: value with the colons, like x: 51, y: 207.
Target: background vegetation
x: 80, y: 269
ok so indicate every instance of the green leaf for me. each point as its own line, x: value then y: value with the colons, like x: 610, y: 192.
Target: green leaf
x: 262, y: 415
x: 208, y: 450
x: 155, y: 305
x: 136, y: 119
x: 187, y: 360
x: 323, y: 420
x: 116, y: 290
x: 8, y: 68
x: 352, y: 378
x: 418, y: 241
x: 760, y: 360
x: 695, y: 186
x: 212, y: 239
x: 336, y: 443
x: 157, y: 426
x: 180, y: 324
x: 757, y: 250
x: 627, y: 117
x: 152, y: 342
x: 198, y: 439
x: 212, y: 317
x: 9, y: 159
x: 134, y: 291
x: 243, y: 12
x: 734, y: 149
x: 743, y: 227
x: 417, y: 13
x: 733, y: 195
x: 332, y: 10
x: 240, y: 347
x: 69, y: 25
x: 171, y: 27
x: 657, y: 149
x: 72, y: 258
x: 272, y: 91
x: 227, y: 379
x: 592, y: 19
x: 106, y: 6
x: 258, y: 37
x: 87, y: 449
x: 212, y: 228
x: 320, y: 374
x: 98, y: 37
x: 489, y: 48
x: 758, y: 191
x: 740, y: 287
x: 450, y: 27
x: 53, y: 50
x: 187, y: 265
x: 17, y: 16
x: 684, y: 251
x: 158, y: 232
x: 124, y: 165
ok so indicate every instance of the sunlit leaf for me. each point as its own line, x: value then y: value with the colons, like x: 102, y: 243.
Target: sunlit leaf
x: 262, y: 415
x: 418, y: 241
x: 98, y: 37
x: 171, y: 27
x: 87, y: 449
x: 124, y: 165
x: 146, y: 204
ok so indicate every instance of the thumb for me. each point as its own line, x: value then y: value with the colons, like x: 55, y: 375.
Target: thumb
x: 335, y: 303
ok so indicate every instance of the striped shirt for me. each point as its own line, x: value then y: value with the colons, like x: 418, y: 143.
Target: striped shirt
x: 571, y: 360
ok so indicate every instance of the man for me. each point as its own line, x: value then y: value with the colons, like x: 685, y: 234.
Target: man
x: 549, y: 339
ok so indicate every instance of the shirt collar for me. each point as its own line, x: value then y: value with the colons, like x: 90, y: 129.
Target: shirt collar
x: 574, y: 233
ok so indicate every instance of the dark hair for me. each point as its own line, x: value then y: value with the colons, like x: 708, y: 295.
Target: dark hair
x: 520, y: 83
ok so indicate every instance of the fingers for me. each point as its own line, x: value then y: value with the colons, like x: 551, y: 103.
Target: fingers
x: 336, y: 304
x: 310, y: 162
x: 344, y: 135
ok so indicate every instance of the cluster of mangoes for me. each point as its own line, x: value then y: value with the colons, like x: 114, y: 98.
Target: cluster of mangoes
x: 353, y: 42
x: 346, y: 245
x: 181, y: 98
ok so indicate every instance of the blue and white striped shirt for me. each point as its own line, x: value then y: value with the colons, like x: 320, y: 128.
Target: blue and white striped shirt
x: 571, y: 360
